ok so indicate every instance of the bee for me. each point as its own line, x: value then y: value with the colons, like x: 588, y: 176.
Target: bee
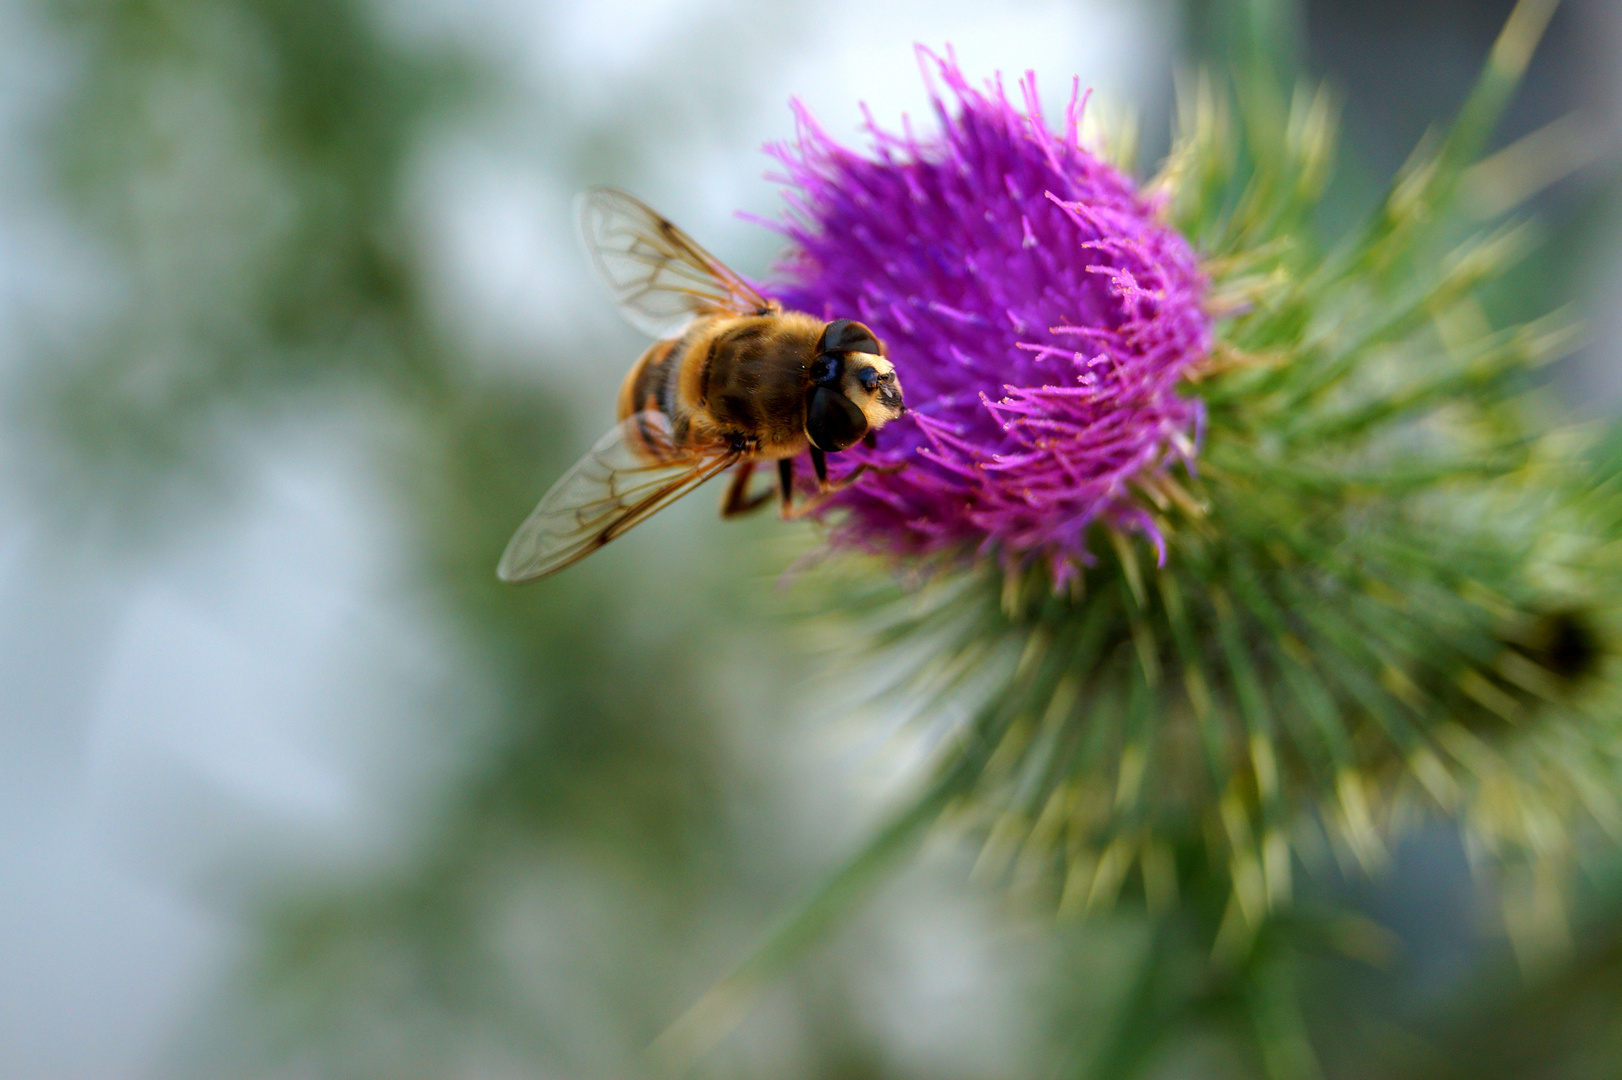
x: 732, y: 381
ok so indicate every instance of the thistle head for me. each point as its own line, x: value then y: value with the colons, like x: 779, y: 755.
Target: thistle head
x: 1040, y: 310
x: 1384, y: 586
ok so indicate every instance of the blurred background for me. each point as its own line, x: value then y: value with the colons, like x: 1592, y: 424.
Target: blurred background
x: 294, y: 331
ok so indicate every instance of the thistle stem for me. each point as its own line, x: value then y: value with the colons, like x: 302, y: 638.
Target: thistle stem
x: 1148, y: 1011
x: 714, y: 1016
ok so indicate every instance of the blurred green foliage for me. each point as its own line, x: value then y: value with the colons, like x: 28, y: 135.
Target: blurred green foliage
x: 617, y: 825
x: 243, y: 161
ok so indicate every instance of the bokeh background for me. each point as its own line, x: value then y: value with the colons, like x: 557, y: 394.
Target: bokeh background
x: 294, y: 331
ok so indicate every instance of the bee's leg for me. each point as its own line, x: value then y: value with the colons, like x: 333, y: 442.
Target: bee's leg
x: 737, y: 500
x: 733, y: 502
x: 871, y: 439
x: 825, y: 488
x: 855, y: 474
x: 848, y: 479
x: 785, y: 477
x: 811, y: 505
x: 785, y: 487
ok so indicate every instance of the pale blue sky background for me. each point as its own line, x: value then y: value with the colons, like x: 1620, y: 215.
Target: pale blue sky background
x: 168, y: 726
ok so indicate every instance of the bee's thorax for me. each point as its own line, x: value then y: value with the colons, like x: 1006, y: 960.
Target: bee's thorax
x: 731, y: 377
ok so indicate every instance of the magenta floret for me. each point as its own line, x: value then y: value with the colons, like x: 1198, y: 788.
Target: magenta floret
x: 1038, y: 311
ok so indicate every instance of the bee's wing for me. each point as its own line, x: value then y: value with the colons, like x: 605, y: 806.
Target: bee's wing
x: 658, y: 275
x: 633, y: 472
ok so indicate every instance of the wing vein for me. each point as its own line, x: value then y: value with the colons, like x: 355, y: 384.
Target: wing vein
x: 614, y: 488
x: 660, y: 277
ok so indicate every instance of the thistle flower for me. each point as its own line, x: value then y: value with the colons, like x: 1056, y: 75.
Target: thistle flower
x: 1340, y: 624
x: 1041, y: 310
x: 1385, y: 590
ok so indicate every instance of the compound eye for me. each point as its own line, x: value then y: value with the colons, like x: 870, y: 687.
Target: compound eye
x: 832, y: 332
x: 827, y: 370
x: 832, y: 420
x: 845, y: 335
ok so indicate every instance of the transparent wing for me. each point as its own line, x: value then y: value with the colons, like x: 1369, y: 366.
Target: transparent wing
x: 658, y: 275
x: 632, y: 473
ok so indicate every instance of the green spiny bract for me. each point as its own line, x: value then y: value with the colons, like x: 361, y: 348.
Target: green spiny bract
x: 1387, y: 587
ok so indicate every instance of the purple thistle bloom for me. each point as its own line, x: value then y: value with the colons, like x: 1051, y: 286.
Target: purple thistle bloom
x: 1038, y: 312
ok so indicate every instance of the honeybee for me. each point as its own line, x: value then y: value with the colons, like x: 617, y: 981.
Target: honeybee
x: 733, y: 381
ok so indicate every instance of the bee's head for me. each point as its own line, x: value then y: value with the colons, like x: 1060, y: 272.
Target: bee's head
x: 854, y: 389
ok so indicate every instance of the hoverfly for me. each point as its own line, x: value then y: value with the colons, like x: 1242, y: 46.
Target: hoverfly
x: 734, y: 380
